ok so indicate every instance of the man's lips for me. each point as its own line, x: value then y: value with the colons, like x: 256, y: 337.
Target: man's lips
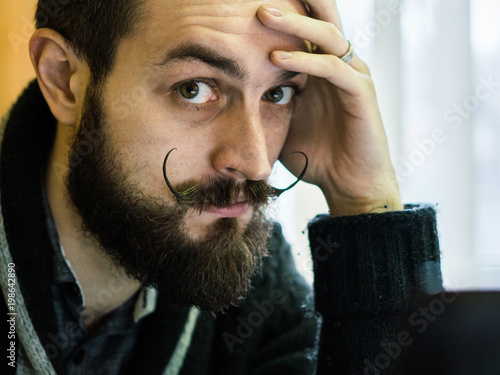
x: 237, y: 210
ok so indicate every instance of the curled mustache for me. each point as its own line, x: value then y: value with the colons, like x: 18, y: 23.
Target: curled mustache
x: 223, y: 192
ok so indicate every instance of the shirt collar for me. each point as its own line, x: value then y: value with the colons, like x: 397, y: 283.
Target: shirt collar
x: 63, y: 273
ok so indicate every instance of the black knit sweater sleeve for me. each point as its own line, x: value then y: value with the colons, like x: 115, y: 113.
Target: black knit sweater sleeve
x: 367, y: 270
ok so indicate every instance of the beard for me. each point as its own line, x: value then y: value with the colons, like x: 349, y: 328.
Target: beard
x: 145, y: 235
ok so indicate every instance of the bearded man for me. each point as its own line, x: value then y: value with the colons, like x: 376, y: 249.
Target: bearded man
x: 134, y: 183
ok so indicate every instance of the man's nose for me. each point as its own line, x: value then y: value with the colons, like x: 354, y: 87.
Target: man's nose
x: 241, y: 149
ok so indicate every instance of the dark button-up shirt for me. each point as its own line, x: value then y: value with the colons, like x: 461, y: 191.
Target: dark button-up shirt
x: 105, y: 349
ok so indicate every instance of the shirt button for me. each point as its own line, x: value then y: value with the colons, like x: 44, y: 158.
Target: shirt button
x: 78, y: 356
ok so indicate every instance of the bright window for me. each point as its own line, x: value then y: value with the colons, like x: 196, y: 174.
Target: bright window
x: 436, y: 65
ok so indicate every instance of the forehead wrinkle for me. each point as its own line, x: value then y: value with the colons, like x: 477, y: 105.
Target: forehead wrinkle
x: 232, y: 25
x: 302, y: 4
x: 262, y: 31
x: 230, y: 16
x: 238, y: 6
x: 193, y: 24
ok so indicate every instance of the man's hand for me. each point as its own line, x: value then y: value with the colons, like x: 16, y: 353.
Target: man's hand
x: 337, y: 122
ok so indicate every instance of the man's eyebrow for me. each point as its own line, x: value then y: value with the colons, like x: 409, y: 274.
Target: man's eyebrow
x: 194, y: 51
x: 286, y: 76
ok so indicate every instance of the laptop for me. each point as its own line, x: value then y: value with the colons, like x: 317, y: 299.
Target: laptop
x: 453, y: 333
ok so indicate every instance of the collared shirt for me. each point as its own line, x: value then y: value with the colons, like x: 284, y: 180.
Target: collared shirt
x: 106, y: 349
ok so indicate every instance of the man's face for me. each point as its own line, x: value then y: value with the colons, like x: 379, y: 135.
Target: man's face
x: 227, y: 128
x: 196, y: 77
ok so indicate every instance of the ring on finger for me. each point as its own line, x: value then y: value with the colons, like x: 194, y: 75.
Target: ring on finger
x: 347, y: 58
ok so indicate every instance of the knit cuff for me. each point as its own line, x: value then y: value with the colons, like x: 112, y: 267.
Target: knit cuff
x: 374, y: 262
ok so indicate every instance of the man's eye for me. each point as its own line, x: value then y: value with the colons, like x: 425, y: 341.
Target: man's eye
x: 279, y: 95
x: 196, y: 92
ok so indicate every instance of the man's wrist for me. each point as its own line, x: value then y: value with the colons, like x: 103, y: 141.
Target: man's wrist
x: 350, y: 207
x: 362, y: 197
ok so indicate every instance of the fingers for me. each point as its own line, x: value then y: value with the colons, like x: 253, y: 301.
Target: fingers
x: 325, y: 10
x: 325, y: 66
x: 324, y: 34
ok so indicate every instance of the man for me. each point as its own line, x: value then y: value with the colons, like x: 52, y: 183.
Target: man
x: 133, y: 187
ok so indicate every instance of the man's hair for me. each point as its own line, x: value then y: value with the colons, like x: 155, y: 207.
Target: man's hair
x: 93, y: 28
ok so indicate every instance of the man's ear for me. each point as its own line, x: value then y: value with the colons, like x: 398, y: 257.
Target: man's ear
x: 61, y: 74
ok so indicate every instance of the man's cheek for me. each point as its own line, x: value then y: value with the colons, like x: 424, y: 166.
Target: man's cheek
x: 277, y: 128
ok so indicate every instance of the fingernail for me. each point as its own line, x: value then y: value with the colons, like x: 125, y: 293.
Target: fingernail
x: 274, y: 12
x: 282, y: 55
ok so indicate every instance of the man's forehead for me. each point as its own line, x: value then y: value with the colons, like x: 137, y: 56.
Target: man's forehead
x: 231, y: 16
x: 226, y: 25
x: 232, y: 6
x: 242, y: 7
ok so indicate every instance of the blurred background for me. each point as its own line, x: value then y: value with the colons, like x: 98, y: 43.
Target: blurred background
x: 436, y: 65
